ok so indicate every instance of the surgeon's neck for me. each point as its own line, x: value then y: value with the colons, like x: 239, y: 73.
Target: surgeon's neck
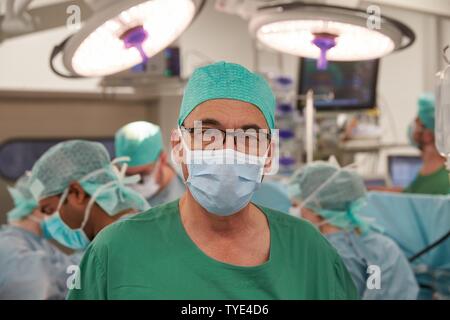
x: 195, y: 217
x: 28, y: 224
x: 167, y: 174
x: 329, y: 229
x: 99, y: 219
x: 432, y: 160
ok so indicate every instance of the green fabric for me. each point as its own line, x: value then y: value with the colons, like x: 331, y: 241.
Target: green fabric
x: 150, y: 256
x: 426, y: 111
x: 141, y: 141
x: 223, y: 80
x: 435, y: 183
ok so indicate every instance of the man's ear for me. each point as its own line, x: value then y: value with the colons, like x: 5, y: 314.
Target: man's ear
x: 76, y: 194
x: 177, y: 148
x: 163, y: 158
x: 270, y: 158
x: 428, y: 136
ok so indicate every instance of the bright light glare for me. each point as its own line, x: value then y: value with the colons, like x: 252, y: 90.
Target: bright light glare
x: 103, y: 52
x: 353, y: 42
x: 140, y: 130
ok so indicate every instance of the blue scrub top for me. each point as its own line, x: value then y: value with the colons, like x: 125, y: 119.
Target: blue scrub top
x: 360, y: 251
x: 31, y: 267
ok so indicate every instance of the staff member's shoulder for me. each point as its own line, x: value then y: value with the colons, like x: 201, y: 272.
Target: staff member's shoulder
x: 297, y: 228
x: 130, y: 229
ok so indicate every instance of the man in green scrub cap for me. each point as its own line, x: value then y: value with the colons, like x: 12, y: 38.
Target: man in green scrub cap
x: 433, y: 177
x: 214, y: 243
x: 141, y: 141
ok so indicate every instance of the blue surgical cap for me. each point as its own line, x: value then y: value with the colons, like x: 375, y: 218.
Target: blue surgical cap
x: 141, y: 141
x: 426, y: 104
x: 223, y: 80
x: 24, y: 203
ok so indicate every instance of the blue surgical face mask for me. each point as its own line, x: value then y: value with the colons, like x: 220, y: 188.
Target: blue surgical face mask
x: 55, y: 228
x: 149, y: 186
x: 223, y: 181
x: 295, y: 211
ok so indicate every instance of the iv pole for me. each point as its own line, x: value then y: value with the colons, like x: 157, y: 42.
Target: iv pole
x: 309, y: 117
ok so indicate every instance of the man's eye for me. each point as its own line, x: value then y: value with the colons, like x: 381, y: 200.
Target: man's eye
x: 211, y: 133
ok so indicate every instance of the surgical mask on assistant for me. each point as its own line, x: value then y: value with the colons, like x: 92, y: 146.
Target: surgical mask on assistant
x: 148, y: 186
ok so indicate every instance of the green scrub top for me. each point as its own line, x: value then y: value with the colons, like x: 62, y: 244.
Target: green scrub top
x: 436, y: 183
x: 150, y: 256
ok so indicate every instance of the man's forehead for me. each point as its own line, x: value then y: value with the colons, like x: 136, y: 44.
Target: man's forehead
x: 228, y: 114
x: 48, y: 201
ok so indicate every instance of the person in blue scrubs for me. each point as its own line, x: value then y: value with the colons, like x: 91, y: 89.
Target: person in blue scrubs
x: 31, y: 267
x: 331, y: 198
x: 273, y: 195
x: 141, y: 141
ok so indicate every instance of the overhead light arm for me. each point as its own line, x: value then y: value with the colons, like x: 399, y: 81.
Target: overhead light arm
x: 16, y: 20
x: 55, y: 52
x: 19, y: 21
x: 19, y: 6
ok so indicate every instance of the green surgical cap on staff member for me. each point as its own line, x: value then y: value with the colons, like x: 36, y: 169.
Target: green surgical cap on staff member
x: 426, y: 104
x: 24, y: 203
x: 223, y: 80
x: 141, y: 141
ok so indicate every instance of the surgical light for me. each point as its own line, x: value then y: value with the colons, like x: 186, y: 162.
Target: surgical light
x: 121, y: 34
x: 140, y: 130
x: 328, y: 33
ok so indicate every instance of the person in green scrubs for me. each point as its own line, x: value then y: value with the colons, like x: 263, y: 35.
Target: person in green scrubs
x: 142, y: 142
x: 213, y: 243
x: 433, y: 177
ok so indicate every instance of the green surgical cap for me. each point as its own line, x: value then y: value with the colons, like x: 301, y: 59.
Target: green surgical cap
x: 141, y: 141
x: 89, y: 164
x: 223, y: 80
x: 334, y: 193
x: 426, y: 104
x: 24, y: 203
x: 66, y: 162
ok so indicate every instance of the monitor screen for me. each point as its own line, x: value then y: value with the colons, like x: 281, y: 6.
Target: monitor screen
x: 403, y: 169
x: 374, y: 182
x: 342, y: 86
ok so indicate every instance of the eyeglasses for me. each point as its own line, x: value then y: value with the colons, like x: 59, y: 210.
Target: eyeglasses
x: 250, y: 141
